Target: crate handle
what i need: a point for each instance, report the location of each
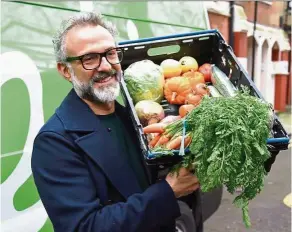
(163, 50)
(278, 140)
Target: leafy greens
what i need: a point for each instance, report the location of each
(229, 145)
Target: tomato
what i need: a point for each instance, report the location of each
(205, 69)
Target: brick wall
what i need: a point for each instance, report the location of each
(268, 15)
(221, 23)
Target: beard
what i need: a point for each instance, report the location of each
(102, 94)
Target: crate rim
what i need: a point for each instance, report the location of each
(168, 37)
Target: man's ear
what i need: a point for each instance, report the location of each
(64, 71)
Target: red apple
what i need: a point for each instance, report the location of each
(205, 69)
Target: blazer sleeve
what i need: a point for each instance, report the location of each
(70, 197)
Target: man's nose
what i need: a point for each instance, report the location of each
(104, 65)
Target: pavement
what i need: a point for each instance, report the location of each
(286, 120)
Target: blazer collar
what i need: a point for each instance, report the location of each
(76, 115)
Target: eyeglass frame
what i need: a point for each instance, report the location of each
(102, 54)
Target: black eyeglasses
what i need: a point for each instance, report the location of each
(92, 61)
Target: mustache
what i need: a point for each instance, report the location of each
(103, 75)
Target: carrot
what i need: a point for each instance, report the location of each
(174, 143)
(154, 128)
(188, 140)
(153, 142)
(163, 140)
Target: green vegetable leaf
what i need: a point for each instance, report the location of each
(229, 145)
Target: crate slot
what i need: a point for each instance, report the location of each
(204, 38)
(139, 47)
(187, 40)
(165, 50)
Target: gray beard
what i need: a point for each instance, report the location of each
(104, 94)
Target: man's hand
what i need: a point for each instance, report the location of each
(183, 183)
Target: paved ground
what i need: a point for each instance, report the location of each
(286, 120)
(267, 211)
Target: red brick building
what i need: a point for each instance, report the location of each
(272, 50)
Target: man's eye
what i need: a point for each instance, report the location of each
(90, 58)
(112, 53)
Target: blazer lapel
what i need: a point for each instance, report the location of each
(78, 117)
(107, 156)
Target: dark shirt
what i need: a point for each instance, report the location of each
(120, 135)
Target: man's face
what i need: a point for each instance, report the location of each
(98, 85)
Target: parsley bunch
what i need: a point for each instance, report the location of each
(229, 145)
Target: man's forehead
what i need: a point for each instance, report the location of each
(79, 37)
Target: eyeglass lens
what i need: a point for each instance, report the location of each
(91, 61)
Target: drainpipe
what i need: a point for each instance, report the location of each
(288, 30)
(231, 23)
(253, 41)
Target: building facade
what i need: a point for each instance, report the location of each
(262, 44)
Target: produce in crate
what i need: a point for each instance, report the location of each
(222, 83)
(228, 144)
(213, 91)
(188, 63)
(170, 118)
(205, 69)
(149, 112)
(195, 77)
(157, 129)
(185, 109)
(145, 81)
(193, 99)
(176, 89)
(171, 68)
(201, 89)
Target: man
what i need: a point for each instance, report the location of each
(86, 160)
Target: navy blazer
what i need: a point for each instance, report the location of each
(84, 181)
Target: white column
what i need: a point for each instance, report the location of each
(257, 67)
(270, 84)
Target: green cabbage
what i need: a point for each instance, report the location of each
(145, 81)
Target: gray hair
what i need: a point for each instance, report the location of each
(81, 19)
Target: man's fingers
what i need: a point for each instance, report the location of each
(194, 180)
(194, 188)
(183, 171)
